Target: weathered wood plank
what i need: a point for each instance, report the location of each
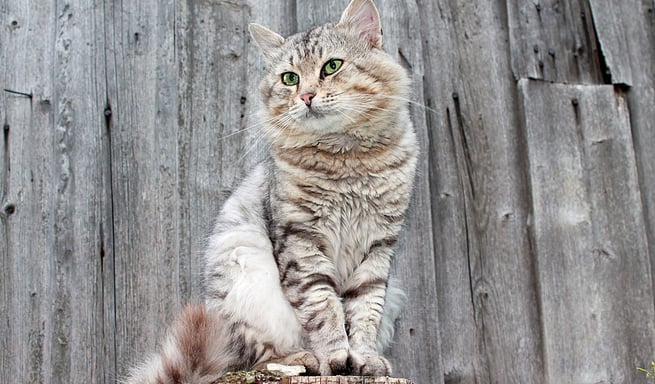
(414, 260)
(215, 112)
(588, 233)
(56, 218)
(622, 36)
(626, 32)
(553, 40)
(142, 95)
(486, 287)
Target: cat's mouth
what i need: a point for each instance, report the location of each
(313, 114)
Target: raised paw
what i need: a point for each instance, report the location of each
(368, 364)
(335, 364)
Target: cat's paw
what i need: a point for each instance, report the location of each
(304, 358)
(368, 364)
(335, 364)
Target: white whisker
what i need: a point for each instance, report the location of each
(399, 98)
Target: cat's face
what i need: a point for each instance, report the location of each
(331, 79)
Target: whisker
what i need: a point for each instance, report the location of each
(371, 96)
(359, 110)
(341, 110)
(258, 125)
(365, 109)
(264, 130)
(271, 127)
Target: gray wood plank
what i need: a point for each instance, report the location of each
(215, 144)
(620, 37)
(588, 233)
(626, 31)
(487, 289)
(56, 218)
(457, 330)
(412, 357)
(553, 40)
(142, 94)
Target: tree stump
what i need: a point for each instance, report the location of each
(343, 380)
(263, 377)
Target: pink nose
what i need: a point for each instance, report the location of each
(307, 98)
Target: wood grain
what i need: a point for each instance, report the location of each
(486, 286)
(56, 218)
(587, 231)
(142, 95)
(414, 262)
(554, 40)
(625, 33)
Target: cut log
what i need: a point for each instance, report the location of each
(343, 380)
(261, 377)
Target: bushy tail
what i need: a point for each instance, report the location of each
(194, 352)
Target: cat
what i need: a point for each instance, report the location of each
(297, 267)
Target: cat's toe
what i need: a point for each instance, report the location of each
(368, 364)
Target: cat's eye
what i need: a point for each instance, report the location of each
(290, 78)
(331, 67)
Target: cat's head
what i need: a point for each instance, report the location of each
(332, 79)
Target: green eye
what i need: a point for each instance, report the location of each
(331, 67)
(290, 78)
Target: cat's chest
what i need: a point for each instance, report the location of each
(348, 226)
(352, 214)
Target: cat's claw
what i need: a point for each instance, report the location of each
(368, 364)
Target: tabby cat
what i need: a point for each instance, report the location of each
(297, 266)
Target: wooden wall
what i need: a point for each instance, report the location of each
(527, 256)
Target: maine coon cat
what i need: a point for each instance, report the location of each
(297, 268)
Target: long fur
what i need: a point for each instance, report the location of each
(297, 268)
(190, 353)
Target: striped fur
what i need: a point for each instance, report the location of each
(297, 269)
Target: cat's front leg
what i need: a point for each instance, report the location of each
(364, 300)
(308, 279)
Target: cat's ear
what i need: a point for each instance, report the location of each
(265, 39)
(362, 16)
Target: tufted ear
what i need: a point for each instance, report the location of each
(265, 39)
(362, 16)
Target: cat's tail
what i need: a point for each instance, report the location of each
(194, 351)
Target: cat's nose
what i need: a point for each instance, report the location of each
(307, 98)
